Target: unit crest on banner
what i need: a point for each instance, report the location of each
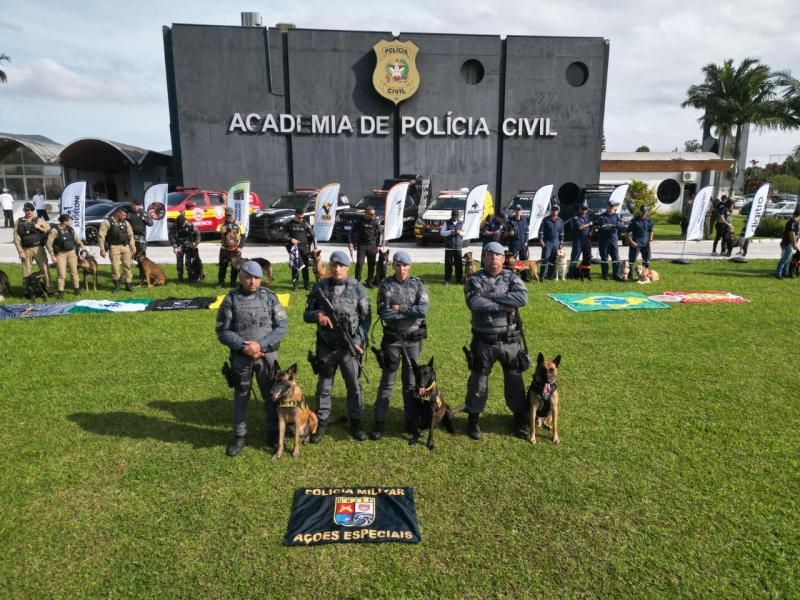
(396, 77)
(354, 512)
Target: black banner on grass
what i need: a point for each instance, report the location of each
(353, 515)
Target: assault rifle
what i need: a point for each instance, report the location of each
(342, 329)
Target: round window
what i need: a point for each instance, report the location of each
(668, 191)
(472, 72)
(577, 74)
(568, 193)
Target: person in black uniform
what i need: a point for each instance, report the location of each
(725, 227)
(551, 239)
(518, 243)
(609, 223)
(719, 206)
(251, 323)
(495, 229)
(581, 242)
(366, 237)
(791, 233)
(453, 244)
(139, 221)
(183, 237)
(299, 234)
(640, 236)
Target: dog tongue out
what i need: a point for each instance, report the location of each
(546, 389)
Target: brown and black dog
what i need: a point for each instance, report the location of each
(4, 285)
(380, 267)
(151, 272)
(34, 285)
(543, 397)
(88, 264)
(321, 270)
(528, 270)
(291, 408)
(469, 265)
(266, 267)
(432, 410)
(194, 265)
(794, 266)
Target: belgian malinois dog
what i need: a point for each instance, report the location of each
(543, 397)
(469, 265)
(432, 410)
(151, 272)
(380, 267)
(88, 264)
(321, 270)
(528, 270)
(291, 408)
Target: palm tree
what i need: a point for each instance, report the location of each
(3, 76)
(734, 96)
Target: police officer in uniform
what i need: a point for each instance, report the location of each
(62, 242)
(231, 235)
(251, 323)
(402, 306)
(609, 223)
(139, 221)
(581, 243)
(453, 244)
(551, 239)
(184, 236)
(29, 237)
(350, 301)
(366, 237)
(640, 236)
(119, 235)
(298, 233)
(495, 230)
(492, 295)
(518, 243)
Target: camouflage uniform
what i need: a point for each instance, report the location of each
(225, 254)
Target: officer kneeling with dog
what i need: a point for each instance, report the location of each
(493, 296)
(402, 306)
(252, 323)
(339, 305)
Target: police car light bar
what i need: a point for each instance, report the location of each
(186, 188)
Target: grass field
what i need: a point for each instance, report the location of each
(677, 475)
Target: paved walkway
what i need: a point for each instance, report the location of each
(209, 250)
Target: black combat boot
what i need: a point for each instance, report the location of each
(377, 431)
(413, 431)
(317, 437)
(356, 431)
(272, 440)
(128, 286)
(520, 426)
(604, 269)
(116, 286)
(77, 291)
(60, 295)
(473, 430)
(236, 446)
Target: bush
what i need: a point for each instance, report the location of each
(639, 193)
(785, 183)
(771, 227)
(674, 217)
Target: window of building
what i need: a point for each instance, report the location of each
(472, 72)
(668, 191)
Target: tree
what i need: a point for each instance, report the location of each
(643, 149)
(692, 146)
(733, 96)
(640, 194)
(3, 76)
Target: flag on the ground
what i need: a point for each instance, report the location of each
(601, 301)
(700, 298)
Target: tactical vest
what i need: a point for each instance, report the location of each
(29, 235)
(368, 233)
(65, 240)
(345, 305)
(252, 314)
(496, 322)
(118, 233)
(300, 232)
(404, 294)
(137, 223)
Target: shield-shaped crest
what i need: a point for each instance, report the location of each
(354, 512)
(396, 77)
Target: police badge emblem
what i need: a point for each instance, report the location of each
(354, 512)
(396, 77)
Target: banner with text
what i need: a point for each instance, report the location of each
(239, 200)
(694, 231)
(155, 205)
(473, 213)
(73, 203)
(541, 199)
(325, 211)
(756, 210)
(393, 213)
(353, 515)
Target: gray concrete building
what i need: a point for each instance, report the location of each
(272, 105)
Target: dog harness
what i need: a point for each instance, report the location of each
(545, 391)
(431, 394)
(292, 403)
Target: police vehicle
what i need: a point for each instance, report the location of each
(429, 224)
(525, 199)
(204, 208)
(267, 224)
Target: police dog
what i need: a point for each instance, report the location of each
(432, 410)
(321, 270)
(88, 264)
(380, 267)
(585, 269)
(562, 263)
(625, 268)
(646, 275)
(34, 285)
(469, 266)
(794, 266)
(4, 285)
(151, 272)
(528, 270)
(543, 397)
(194, 265)
(292, 410)
(266, 267)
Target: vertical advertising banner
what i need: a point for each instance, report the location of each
(694, 231)
(73, 202)
(155, 205)
(239, 200)
(473, 213)
(393, 213)
(756, 210)
(619, 193)
(539, 209)
(325, 211)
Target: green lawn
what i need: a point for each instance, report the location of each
(677, 475)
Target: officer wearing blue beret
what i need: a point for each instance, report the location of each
(609, 223)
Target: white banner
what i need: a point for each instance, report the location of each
(756, 210)
(694, 231)
(473, 213)
(539, 209)
(393, 213)
(239, 200)
(325, 212)
(619, 193)
(73, 203)
(155, 205)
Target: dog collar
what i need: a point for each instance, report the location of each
(428, 394)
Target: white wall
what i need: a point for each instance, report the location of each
(654, 180)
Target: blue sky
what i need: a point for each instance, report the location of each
(83, 68)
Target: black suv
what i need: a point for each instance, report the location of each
(525, 199)
(268, 225)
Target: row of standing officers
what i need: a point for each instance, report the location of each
(251, 323)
